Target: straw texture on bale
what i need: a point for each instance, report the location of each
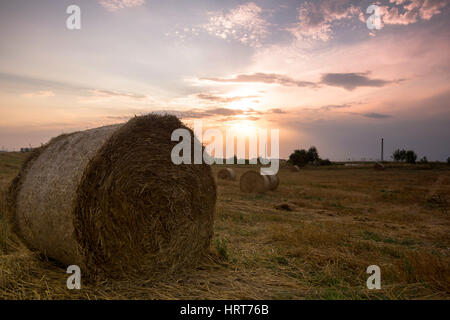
(254, 182)
(226, 174)
(111, 201)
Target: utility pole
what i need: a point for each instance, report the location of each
(382, 149)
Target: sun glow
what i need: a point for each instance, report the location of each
(243, 126)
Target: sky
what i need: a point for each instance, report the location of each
(311, 69)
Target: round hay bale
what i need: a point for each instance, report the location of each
(111, 201)
(378, 166)
(252, 181)
(273, 182)
(295, 168)
(226, 174)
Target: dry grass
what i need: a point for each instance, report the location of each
(342, 220)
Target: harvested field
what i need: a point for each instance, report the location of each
(343, 219)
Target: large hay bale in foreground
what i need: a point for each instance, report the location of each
(252, 181)
(226, 174)
(274, 182)
(111, 201)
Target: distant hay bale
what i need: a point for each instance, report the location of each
(378, 166)
(226, 174)
(295, 168)
(111, 201)
(254, 182)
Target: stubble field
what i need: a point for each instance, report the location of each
(313, 238)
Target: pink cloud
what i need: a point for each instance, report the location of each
(269, 78)
(243, 24)
(114, 5)
(392, 16)
(430, 8)
(315, 18)
(408, 12)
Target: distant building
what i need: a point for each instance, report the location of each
(26, 149)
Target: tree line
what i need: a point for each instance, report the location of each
(408, 156)
(302, 157)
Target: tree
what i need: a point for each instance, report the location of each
(303, 157)
(411, 156)
(423, 160)
(299, 158)
(325, 162)
(448, 160)
(312, 154)
(399, 155)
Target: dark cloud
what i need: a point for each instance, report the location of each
(335, 106)
(277, 110)
(265, 78)
(330, 107)
(375, 115)
(351, 81)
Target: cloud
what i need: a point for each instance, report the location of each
(39, 94)
(221, 112)
(333, 109)
(226, 114)
(330, 107)
(351, 81)
(114, 5)
(426, 8)
(315, 18)
(335, 106)
(114, 94)
(277, 110)
(265, 78)
(404, 12)
(202, 113)
(375, 115)
(393, 16)
(215, 98)
(243, 24)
